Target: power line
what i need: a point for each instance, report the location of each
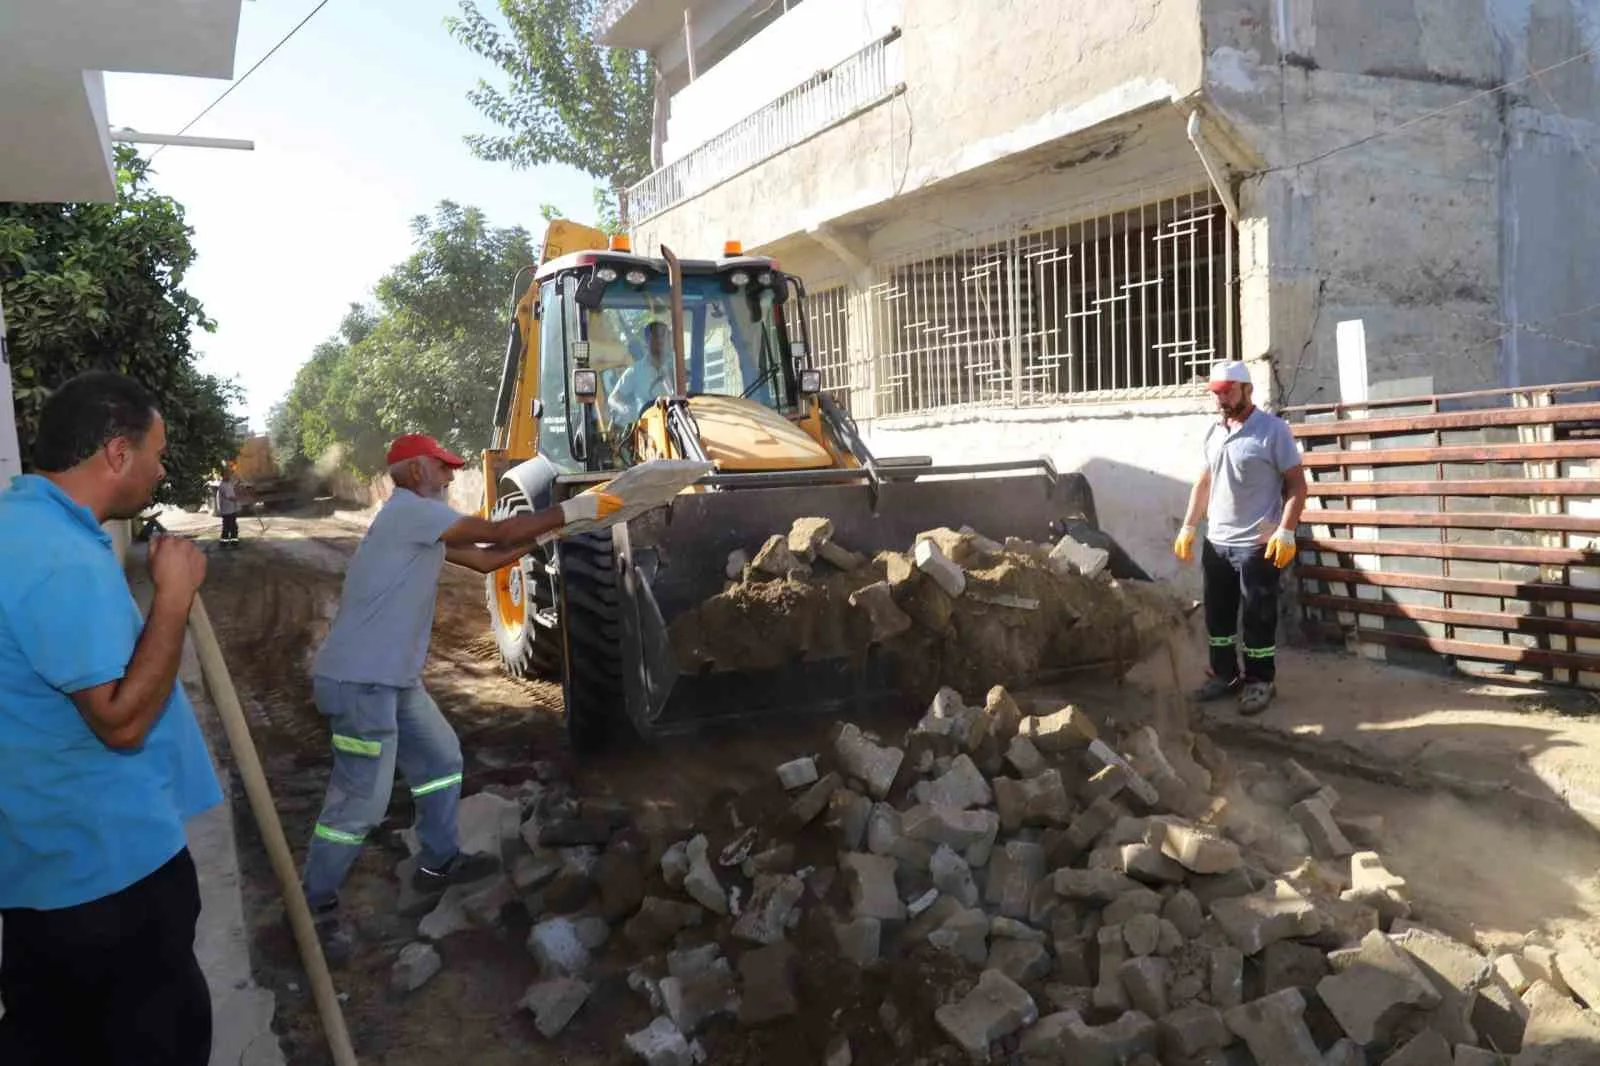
(1429, 116)
(240, 80)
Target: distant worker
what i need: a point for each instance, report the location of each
(1252, 491)
(367, 677)
(101, 760)
(228, 508)
(652, 376)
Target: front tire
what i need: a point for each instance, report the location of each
(591, 678)
(522, 610)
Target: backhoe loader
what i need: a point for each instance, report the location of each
(616, 359)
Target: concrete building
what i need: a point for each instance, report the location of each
(1030, 227)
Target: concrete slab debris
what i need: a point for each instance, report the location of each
(958, 788)
(1376, 990)
(1278, 913)
(870, 880)
(1274, 1029)
(933, 562)
(554, 1003)
(872, 764)
(660, 1044)
(415, 966)
(996, 1008)
(798, 773)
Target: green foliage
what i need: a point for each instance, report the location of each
(425, 359)
(100, 286)
(566, 99)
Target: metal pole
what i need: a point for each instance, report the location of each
(135, 137)
(688, 42)
(10, 453)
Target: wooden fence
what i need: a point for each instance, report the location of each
(1465, 525)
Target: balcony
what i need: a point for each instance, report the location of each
(832, 96)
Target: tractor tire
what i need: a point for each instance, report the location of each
(591, 677)
(522, 607)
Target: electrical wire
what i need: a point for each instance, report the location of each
(240, 80)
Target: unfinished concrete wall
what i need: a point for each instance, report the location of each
(1462, 239)
(982, 82)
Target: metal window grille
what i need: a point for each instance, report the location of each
(827, 318)
(1138, 301)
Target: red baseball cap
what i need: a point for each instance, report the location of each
(419, 446)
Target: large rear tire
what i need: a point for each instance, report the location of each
(591, 677)
(522, 606)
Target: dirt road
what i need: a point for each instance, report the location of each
(271, 602)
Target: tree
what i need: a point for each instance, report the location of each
(425, 359)
(567, 99)
(100, 287)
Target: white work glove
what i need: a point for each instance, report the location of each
(591, 506)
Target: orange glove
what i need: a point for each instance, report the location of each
(591, 506)
(1183, 547)
(1281, 548)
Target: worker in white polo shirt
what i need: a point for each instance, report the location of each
(1251, 493)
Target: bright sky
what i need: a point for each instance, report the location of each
(358, 124)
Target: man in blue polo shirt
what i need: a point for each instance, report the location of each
(101, 760)
(1251, 491)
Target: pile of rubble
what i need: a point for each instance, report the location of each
(982, 611)
(1009, 887)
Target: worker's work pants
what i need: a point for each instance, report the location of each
(112, 982)
(1241, 582)
(230, 527)
(377, 728)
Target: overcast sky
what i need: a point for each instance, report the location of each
(358, 124)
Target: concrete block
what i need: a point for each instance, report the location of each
(1025, 758)
(1427, 1048)
(1005, 717)
(1315, 818)
(953, 877)
(1543, 958)
(558, 948)
(692, 1001)
(1142, 934)
(1516, 972)
(1100, 755)
(1467, 1055)
(1345, 1052)
(675, 864)
(775, 559)
(1456, 972)
(960, 830)
(1241, 882)
(554, 1003)
(1197, 849)
(766, 916)
(531, 872)
(1145, 980)
(1014, 870)
(840, 557)
(1100, 815)
(620, 875)
(1023, 961)
(798, 773)
(1148, 864)
(919, 903)
(965, 934)
(838, 1052)
(1095, 886)
(1279, 913)
(701, 882)
(660, 1044)
(1107, 782)
(1189, 1031)
(1069, 555)
(1227, 977)
(1287, 964)
(1274, 1029)
(872, 764)
(1003, 928)
(807, 535)
(860, 940)
(487, 823)
(1125, 906)
(414, 967)
(958, 788)
(1067, 730)
(1376, 990)
(870, 881)
(693, 962)
(876, 605)
(811, 802)
(996, 1008)
(1499, 1017)
(1580, 971)
(738, 559)
(848, 812)
(1559, 1032)
(1109, 994)
(658, 920)
(933, 562)
(1170, 941)
(1133, 1034)
(1183, 910)
(767, 991)
(1039, 801)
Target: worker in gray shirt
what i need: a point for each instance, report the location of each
(1251, 491)
(367, 677)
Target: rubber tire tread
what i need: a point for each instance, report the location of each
(592, 681)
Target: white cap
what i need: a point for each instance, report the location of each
(1225, 374)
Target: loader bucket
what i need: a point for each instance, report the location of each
(673, 559)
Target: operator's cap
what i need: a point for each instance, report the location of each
(1225, 374)
(420, 446)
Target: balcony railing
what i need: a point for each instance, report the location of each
(826, 99)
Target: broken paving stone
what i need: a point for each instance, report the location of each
(958, 788)
(1137, 901)
(1145, 980)
(1516, 972)
(1142, 933)
(1189, 1031)
(487, 823)
(953, 877)
(1278, 913)
(1274, 1029)
(932, 561)
(1287, 964)
(1038, 801)
(766, 916)
(692, 1001)
(1072, 960)
(553, 1004)
(1241, 882)
(675, 864)
(1005, 717)
(1227, 977)
(1070, 555)
(558, 947)
(1197, 849)
(996, 1008)
(1023, 961)
(1014, 870)
(884, 617)
(1345, 1052)
(860, 940)
(1025, 758)
(804, 810)
(961, 830)
(1375, 989)
(1427, 1048)
(919, 904)
(415, 967)
(775, 559)
(848, 811)
(964, 934)
(1108, 991)
(1371, 883)
(872, 764)
(1456, 972)
(1543, 957)
(798, 773)
(701, 883)
(1106, 783)
(1100, 755)
(870, 881)
(1100, 815)
(1183, 911)
(660, 1044)
(532, 872)
(1067, 730)
(775, 860)
(1146, 863)
(1580, 971)
(620, 875)
(1559, 1032)
(840, 557)
(1302, 782)
(464, 906)
(768, 991)
(1467, 1055)
(1096, 886)
(838, 1052)
(1498, 1016)
(1002, 928)
(738, 559)
(576, 831)
(1315, 818)
(658, 920)
(1132, 1035)
(807, 535)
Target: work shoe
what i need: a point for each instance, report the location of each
(1216, 688)
(462, 869)
(1255, 696)
(337, 942)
